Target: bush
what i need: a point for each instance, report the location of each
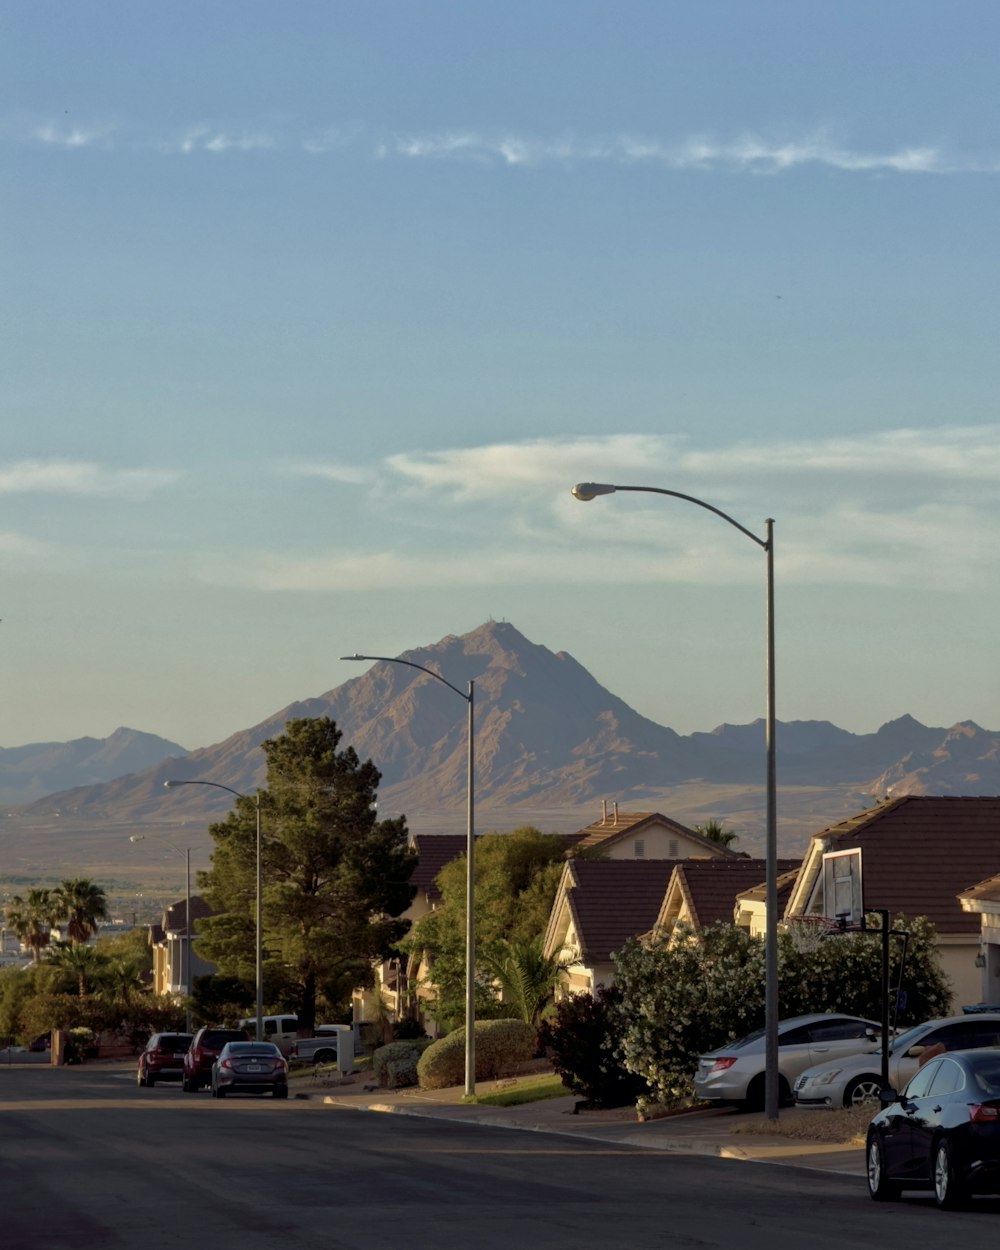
(501, 1045)
(582, 1037)
(396, 1064)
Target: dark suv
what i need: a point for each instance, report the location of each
(203, 1052)
(163, 1057)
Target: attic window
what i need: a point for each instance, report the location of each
(639, 848)
(673, 848)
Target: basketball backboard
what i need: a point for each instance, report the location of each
(843, 894)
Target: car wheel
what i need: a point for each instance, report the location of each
(189, 1086)
(219, 1092)
(756, 1090)
(140, 1080)
(949, 1193)
(325, 1056)
(862, 1091)
(879, 1186)
(150, 1082)
(280, 1091)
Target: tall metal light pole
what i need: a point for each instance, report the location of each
(259, 942)
(590, 490)
(470, 927)
(186, 951)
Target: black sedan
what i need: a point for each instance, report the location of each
(253, 1067)
(942, 1133)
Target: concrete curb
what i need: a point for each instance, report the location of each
(769, 1154)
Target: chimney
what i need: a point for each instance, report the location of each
(616, 812)
(604, 811)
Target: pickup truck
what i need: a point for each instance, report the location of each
(319, 1049)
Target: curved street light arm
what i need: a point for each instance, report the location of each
(390, 659)
(586, 491)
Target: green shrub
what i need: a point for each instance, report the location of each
(582, 1040)
(501, 1046)
(396, 1064)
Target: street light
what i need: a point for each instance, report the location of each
(470, 928)
(590, 490)
(259, 943)
(186, 955)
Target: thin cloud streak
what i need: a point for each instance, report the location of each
(65, 477)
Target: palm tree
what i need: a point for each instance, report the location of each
(527, 976)
(82, 905)
(85, 964)
(716, 831)
(31, 919)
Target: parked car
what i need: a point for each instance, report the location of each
(250, 1066)
(735, 1072)
(162, 1058)
(42, 1042)
(942, 1133)
(282, 1030)
(202, 1054)
(858, 1078)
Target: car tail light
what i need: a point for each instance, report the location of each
(984, 1113)
(721, 1065)
(226, 1063)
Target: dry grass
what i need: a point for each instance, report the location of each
(846, 1126)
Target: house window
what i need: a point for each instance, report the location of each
(639, 849)
(673, 848)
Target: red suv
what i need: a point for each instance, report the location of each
(163, 1056)
(203, 1052)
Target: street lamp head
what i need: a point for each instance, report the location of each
(169, 785)
(136, 837)
(585, 491)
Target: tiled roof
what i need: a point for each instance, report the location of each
(617, 823)
(710, 886)
(612, 900)
(919, 852)
(435, 850)
(758, 893)
(987, 891)
(174, 918)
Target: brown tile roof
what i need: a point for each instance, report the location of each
(435, 850)
(174, 919)
(919, 852)
(710, 886)
(988, 890)
(612, 900)
(785, 882)
(617, 823)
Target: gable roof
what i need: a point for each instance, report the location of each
(987, 891)
(434, 851)
(611, 900)
(175, 918)
(785, 882)
(615, 825)
(708, 888)
(918, 854)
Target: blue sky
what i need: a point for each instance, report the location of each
(313, 314)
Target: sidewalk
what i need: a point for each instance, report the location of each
(713, 1132)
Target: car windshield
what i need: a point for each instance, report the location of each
(174, 1042)
(910, 1038)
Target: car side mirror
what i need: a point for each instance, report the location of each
(887, 1096)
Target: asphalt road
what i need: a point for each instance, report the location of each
(88, 1159)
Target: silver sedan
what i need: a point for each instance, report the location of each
(252, 1067)
(858, 1079)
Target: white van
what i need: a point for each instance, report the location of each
(282, 1030)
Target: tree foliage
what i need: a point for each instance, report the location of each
(516, 877)
(335, 878)
(583, 1040)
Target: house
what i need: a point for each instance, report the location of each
(599, 905)
(984, 900)
(643, 835)
(751, 905)
(707, 891)
(614, 886)
(920, 855)
(170, 940)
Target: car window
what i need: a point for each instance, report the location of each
(986, 1077)
(921, 1082)
(175, 1042)
(948, 1078)
(839, 1030)
(796, 1037)
(289, 1024)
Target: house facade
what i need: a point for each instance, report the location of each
(170, 940)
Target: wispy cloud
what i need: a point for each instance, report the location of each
(329, 471)
(66, 477)
(58, 135)
(203, 138)
(749, 153)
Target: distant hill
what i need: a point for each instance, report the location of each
(548, 736)
(29, 772)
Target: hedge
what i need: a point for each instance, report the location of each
(396, 1064)
(501, 1046)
